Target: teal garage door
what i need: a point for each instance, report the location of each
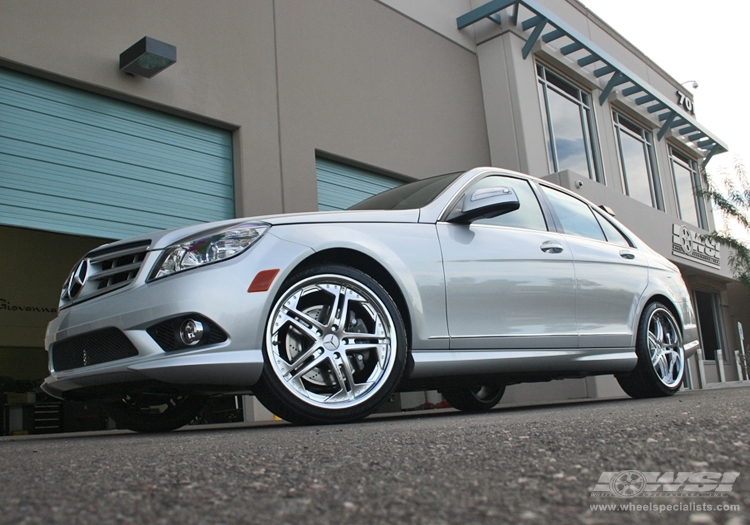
(341, 186)
(80, 163)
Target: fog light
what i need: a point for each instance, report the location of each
(191, 332)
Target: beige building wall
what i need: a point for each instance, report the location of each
(360, 81)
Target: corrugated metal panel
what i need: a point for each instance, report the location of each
(341, 186)
(76, 162)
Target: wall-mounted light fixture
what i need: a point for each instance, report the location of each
(147, 57)
(693, 83)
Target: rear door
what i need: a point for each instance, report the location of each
(611, 275)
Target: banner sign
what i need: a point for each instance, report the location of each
(691, 245)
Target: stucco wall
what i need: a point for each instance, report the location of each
(361, 81)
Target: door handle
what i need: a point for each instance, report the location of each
(625, 254)
(551, 247)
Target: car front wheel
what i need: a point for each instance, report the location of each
(661, 357)
(335, 347)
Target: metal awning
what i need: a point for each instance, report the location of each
(537, 23)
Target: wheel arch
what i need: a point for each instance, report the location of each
(371, 267)
(669, 304)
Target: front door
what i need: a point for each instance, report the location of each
(510, 282)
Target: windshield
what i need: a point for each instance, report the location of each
(409, 196)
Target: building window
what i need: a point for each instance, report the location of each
(569, 125)
(637, 162)
(709, 323)
(687, 185)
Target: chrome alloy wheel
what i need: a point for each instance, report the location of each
(331, 341)
(665, 348)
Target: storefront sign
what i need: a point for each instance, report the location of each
(691, 245)
(685, 102)
(12, 307)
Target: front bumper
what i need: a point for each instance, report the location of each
(217, 292)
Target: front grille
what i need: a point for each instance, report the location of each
(102, 271)
(93, 348)
(167, 333)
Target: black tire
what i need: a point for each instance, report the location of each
(477, 398)
(331, 364)
(155, 412)
(661, 356)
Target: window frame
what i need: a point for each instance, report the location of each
(599, 216)
(583, 99)
(645, 137)
(691, 165)
(541, 201)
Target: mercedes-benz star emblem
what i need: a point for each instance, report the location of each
(78, 279)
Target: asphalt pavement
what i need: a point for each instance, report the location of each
(512, 465)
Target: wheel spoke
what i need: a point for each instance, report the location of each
(674, 363)
(312, 364)
(302, 321)
(380, 346)
(662, 364)
(337, 292)
(348, 296)
(656, 355)
(301, 359)
(659, 330)
(344, 390)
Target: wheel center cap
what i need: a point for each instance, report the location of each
(331, 342)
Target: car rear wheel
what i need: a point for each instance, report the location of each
(154, 412)
(661, 357)
(477, 398)
(335, 347)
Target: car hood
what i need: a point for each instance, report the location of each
(164, 238)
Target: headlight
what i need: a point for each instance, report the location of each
(208, 247)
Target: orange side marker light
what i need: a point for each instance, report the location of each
(263, 280)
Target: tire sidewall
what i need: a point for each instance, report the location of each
(270, 389)
(644, 355)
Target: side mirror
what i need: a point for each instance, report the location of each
(484, 203)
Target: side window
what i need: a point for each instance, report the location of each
(528, 216)
(575, 216)
(613, 234)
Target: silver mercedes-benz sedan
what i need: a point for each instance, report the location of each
(465, 283)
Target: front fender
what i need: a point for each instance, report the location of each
(409, 252)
